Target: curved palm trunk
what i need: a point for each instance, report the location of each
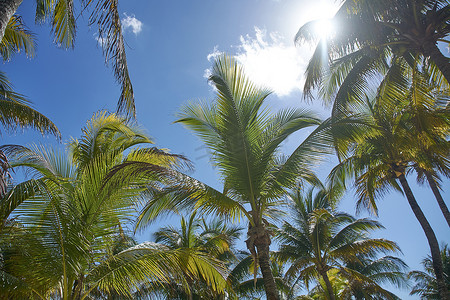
(431, 237)
(432, 51)
(438, 196)
(328, 285)
(7, 10)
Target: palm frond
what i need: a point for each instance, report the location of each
(150, 262)
(106, 15)
(16, 39)
(63, 22)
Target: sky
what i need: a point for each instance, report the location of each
(170, 47)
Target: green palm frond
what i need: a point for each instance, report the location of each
(368, 247)
(352, 230)
(14, 115)
(355, 86)
(16, 39)
(151, 262)
(360, 284)
(185, 192)
(18, 194)
(15, 112)
(106, 131)
(63, 22)
(49, 163)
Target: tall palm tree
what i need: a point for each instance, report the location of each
(69, 221)
(244, 138)
(104, 14)
(380, 46)
(426, 115)
(322, 241)
(378, 159)
(426, 284)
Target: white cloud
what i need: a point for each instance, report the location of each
(130, 22)
(213, 55)
(269, 62)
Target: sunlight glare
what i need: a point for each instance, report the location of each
(324, 28)
(306, 11)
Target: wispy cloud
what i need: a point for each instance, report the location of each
(270, 62)
(130, 22)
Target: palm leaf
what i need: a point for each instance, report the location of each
(16, 38)
(106, 15)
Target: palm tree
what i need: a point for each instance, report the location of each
(371, 38)
(426, 283)
(386, 269)
(214, 238)
(380, 47)
(104, 14)
(64, 244)
(322, 239)
(427, 116)
(244, 138)
(377, 157)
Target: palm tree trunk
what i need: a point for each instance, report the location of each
(432, 51)
(438, 196)
(264, 263)
(431, 237)
(328, 285)
(7, 10)
(259, 238)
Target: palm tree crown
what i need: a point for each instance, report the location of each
(244, 138)
(426, 285)
(69, 221)
(375, 40)
(322, 241)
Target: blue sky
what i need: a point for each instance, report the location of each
(170, 47)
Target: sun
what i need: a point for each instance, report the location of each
(321, 11)
(324, 28)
